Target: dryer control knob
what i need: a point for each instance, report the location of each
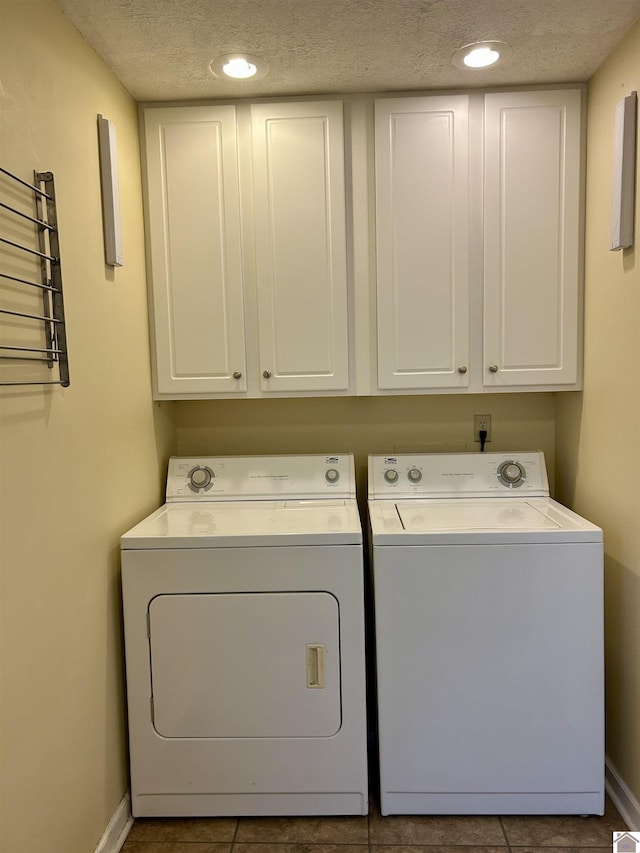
(332, 476)
(200, 478)
(391, 475)
(415, 475)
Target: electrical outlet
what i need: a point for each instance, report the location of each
(481, 422)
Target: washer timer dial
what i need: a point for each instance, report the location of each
(391, 475)
(511, 474)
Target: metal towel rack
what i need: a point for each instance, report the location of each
(32, 308)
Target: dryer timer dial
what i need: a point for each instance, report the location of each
(200, 478)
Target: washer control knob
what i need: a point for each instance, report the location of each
(332, 476)
(200, 478)
(511, 474)
(391, 475)
(414, 475)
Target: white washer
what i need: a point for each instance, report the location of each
(244, 637)
(489, 638)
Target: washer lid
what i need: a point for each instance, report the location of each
(482, 521)
(241, 524)
(418, 516)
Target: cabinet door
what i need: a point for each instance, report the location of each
(532, 238)
(422, 223)
(301, 268)
(195, 250)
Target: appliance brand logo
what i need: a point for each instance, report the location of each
(390, 460)
(626, 842)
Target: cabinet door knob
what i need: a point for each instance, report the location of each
(493, 368)
(266, 374)
(462, 368)
(237, 374)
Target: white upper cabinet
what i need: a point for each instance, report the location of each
(451, 265)
(531, 238)
(422, 228)
(300, 245)
(193, 216)
(248, 252)
(478, 242)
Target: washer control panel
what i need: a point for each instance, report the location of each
(445, 475)
(261, 477)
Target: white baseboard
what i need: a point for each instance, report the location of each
(622, 796)
(118, 828)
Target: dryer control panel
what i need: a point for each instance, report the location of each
(450, 475)
(237, 478)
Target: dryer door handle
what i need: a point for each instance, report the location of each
(315, 665)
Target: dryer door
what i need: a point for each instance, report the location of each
(245, 665)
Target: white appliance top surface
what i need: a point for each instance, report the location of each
(417, 516)
(449, 521)
(229, 478)
(462, 499)
(225, 512)
(248, 524)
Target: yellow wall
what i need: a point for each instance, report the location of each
(365, 425)
(79, 465)
(598, 431)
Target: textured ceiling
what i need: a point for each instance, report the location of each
(160, 49)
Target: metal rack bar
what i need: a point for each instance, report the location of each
(32, 187)
(28, 316)
(59, 332)
(25, 216)
(55, 349)
(33, 349)
(39, 382)
(26, 281)
(29, 358)
(27, 249)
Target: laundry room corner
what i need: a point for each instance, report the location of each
(598, 430)
(80, 463)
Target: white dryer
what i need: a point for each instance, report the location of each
(244, 638)
(489, 638)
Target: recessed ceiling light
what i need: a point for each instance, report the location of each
(239, 66)
(482, 54)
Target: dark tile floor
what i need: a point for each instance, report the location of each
(376, 834)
